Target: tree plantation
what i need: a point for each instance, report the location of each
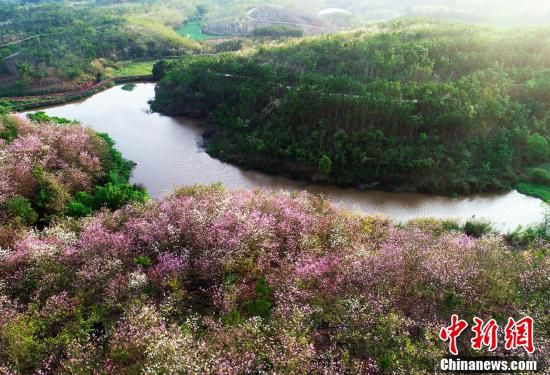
(418, 106)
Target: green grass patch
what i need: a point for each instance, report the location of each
(534, 190)
(192, 30)
(41, 116)
(136, 69)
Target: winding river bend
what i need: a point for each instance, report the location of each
(168, 154)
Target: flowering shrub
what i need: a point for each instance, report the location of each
(208, 281)
(63, 157)
(45, 165)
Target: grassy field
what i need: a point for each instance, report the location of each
(140, 68)
(538, 191)
(192, 30)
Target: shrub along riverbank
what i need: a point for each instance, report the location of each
(533, 190)
(537, 183)
(51, 167)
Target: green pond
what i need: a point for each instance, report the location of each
(192, 30)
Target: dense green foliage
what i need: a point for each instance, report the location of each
(41, 116)
(54, 45)
(229, 45)
(535, 190)
(128, 87)
(432, 107)
(8, 131)
(21, 208)
(276, 32)
(5, 107)
(113, 191)
(159, 69)
(477, 229)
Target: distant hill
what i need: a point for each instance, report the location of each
(53, 44)
(262, 17)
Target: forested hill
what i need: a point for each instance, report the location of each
(50, 45)
(410, 105)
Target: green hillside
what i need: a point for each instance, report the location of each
(54, 46)
(410, 105)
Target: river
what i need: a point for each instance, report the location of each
(168, 154)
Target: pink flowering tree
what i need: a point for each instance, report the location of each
(209, 281)
(45, 165)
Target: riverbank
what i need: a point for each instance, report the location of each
(534, 190)
(25, 103)
(265, 165)
(304, 175)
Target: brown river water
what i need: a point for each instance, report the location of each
(168, 154)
